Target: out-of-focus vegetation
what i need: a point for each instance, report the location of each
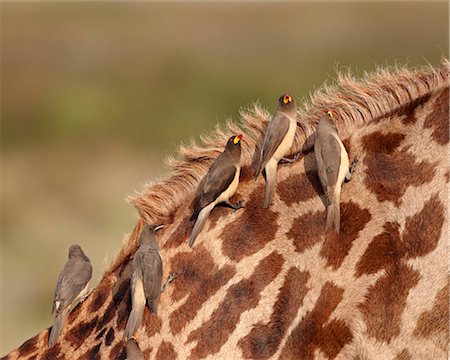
(96, 95)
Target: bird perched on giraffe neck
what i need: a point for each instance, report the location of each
(333, 166)
(218, 185)
(146, 279)
(72, 285)
(277, 142)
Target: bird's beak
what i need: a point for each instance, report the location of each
(330, 114)
(159, 227)
(237, 138)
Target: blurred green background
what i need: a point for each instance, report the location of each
(96, 95)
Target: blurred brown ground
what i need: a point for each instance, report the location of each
(96, 95)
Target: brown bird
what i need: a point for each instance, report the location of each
(333, 166)
(146, 279)
(134, 352)
(277, 142)
(219, 185)
(72, 286)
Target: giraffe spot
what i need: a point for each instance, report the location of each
(307, 230)
(388, 175)
(408, 111)
(403, 355)
(377, 142)
(150, 322)
(120, 291)
(28, 346)
(52, 353)
(100, 334)
(251, 231)
(92, 354)
(199, 278)
(315, 331)
(423, 230)
(438, 119)
(263, 340)
(382, 252)
(30, 358)
(180, 234)
(337, 246)
(246, 175)
(435, 321)
(240, 297)
(109, 337)
(73, 315)
(118, 352)
(299, 187)
(166, 352)
(78, 334)
(386, 300)
(100, 295)
(147, 353)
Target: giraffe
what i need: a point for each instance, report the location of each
(271, 283)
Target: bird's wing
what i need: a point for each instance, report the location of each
(331, 159)
(276, 131)
(218, 179)
(74, 277)
(152, 271)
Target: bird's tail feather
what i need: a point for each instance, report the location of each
(57, 326)
(271, 173)
(200, 222)
(134, 320)
(334, 214)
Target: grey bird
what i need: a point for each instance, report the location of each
(146, 279)
(277, 142)
(218, 185)
(72, 286)
(333, 166)
(133, 350)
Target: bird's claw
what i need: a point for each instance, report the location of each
(289, 160)
(239, 205)
(169, 280)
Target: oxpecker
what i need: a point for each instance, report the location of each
(72, 286)
(218, 185)
(333, 166)
(277, 142)
(146, 279)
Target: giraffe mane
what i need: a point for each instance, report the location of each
(355, 102)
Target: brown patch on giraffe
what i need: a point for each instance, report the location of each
(240, 297)
(100, 334)
(347, 145)
(109, 337)
(315, 331)
(337, 246)
(252, 230)
(166, 352)
(438, 119)
(147, 353)
(385, 301)
(181, 233)
(119, 351)
(263, 340)
(100, 295)
(53, 353)
(247, 174)
(377, 142)
(199, 278)
(423, 230)
(92, 354)
(121, 293)
(409, 110)
(34, 357)
(78, 334)
(382, 252)
(28, 347)
(298, 187)
(403, 355)
(307, 230)
(150, 322)
(391, 172)
(435, 321)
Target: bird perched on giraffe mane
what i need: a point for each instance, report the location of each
(134, 352)
(72, 286)
(218, 185)
(333, 166)
(146, 279)
(277, 142)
